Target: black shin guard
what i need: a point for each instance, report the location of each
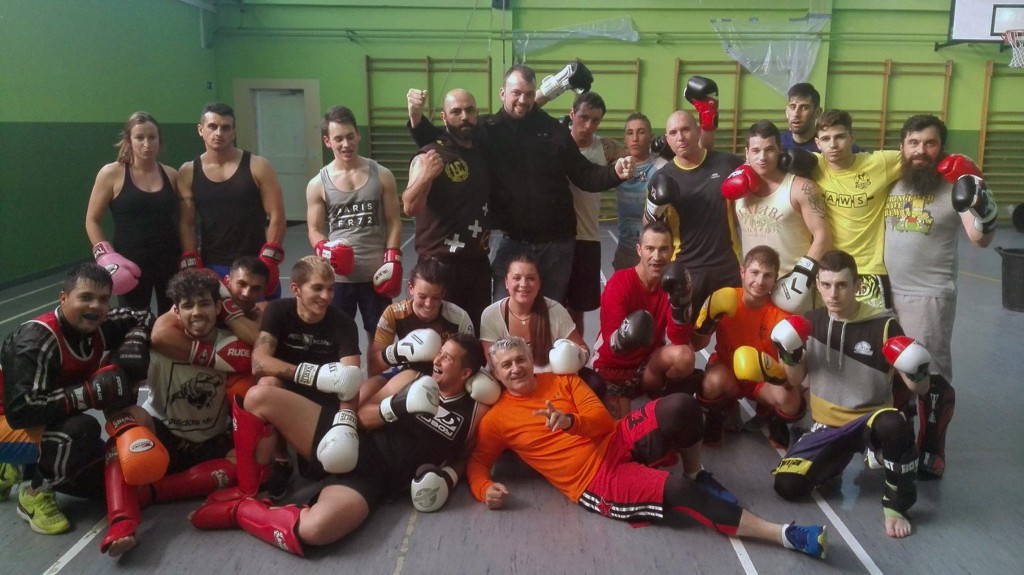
(936, 409)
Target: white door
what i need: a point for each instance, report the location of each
(281, 139)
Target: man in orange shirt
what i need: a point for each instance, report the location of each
(560, 428)
(745, 358)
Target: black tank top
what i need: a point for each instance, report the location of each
(145, 221)
(232, 220)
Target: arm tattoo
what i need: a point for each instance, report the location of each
(814, 199)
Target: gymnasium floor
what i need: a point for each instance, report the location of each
(972, 521)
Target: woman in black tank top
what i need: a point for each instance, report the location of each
(141, 196)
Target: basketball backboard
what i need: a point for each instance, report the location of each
(974, 21)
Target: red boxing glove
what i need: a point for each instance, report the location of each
(190, 259)
(388, 278)
(907, 356)
(338, 254)
(272, 255)
(744, 180)
(703, 94)
(955, 165)
(228, 354)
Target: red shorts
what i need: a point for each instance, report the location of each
(748, 389)
(625, 488)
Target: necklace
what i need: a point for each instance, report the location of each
(513, 314)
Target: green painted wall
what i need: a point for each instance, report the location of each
(71, 72)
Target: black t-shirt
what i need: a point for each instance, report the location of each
(456, 223)
(703, 230)
(332, 338)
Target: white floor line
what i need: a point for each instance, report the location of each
(743, 556)
(614, 237)
(410, 527)
(405, 244)
(29, 312)
(833, 517)
(28, 293)
(66, 558)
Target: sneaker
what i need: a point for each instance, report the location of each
(708, 483)
(41, 512)
(10, 476)
(809, 539)
(930, 467)
(280, 479)
(714, 428)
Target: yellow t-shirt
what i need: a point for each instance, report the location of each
(856, 204)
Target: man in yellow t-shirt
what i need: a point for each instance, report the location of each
(855, 187)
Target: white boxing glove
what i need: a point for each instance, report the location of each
(335, 377)
(566, 357)
(338, 451)
(431, 487)
(794, 292)
(420, 396)
(417, 345)
(482, 387)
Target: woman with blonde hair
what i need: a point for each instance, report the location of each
(141, 195)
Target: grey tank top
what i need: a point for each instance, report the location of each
(357, 218)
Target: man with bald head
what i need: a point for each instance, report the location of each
(691, 185)
(532, 159)
(449, 187)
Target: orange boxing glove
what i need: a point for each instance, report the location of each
(238, 385)
(143, 458)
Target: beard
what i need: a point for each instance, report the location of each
(464, 132)
(921, 179)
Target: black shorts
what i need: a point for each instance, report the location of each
(186, 454)
(371, 477)
(584, 291)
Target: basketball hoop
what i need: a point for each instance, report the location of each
(1015, 38)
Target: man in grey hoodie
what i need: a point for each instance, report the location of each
(847, 350)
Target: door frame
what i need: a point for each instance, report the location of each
(245, 112)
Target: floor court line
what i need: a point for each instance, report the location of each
(833, 517)
(743, 556)
(28, 293)
(29, 312)
(66, 558)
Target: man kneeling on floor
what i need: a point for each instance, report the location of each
(560, 428)
(418, 426)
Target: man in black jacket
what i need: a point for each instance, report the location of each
(532, 159)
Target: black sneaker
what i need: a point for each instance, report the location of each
(280, 479)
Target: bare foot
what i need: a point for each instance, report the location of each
(121, 546)
(897, 527)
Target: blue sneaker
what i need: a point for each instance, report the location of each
(809, 539)
(708, 483)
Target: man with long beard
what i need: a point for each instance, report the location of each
(936, 195)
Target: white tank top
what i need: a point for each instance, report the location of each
(772, 221)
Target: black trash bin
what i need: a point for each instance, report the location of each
(1013, 278)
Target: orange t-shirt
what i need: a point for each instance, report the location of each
(568, 459)
(751, 327)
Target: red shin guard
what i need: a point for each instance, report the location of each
(274, 525)
(123, 514)
(248, 431)
(197, 481)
